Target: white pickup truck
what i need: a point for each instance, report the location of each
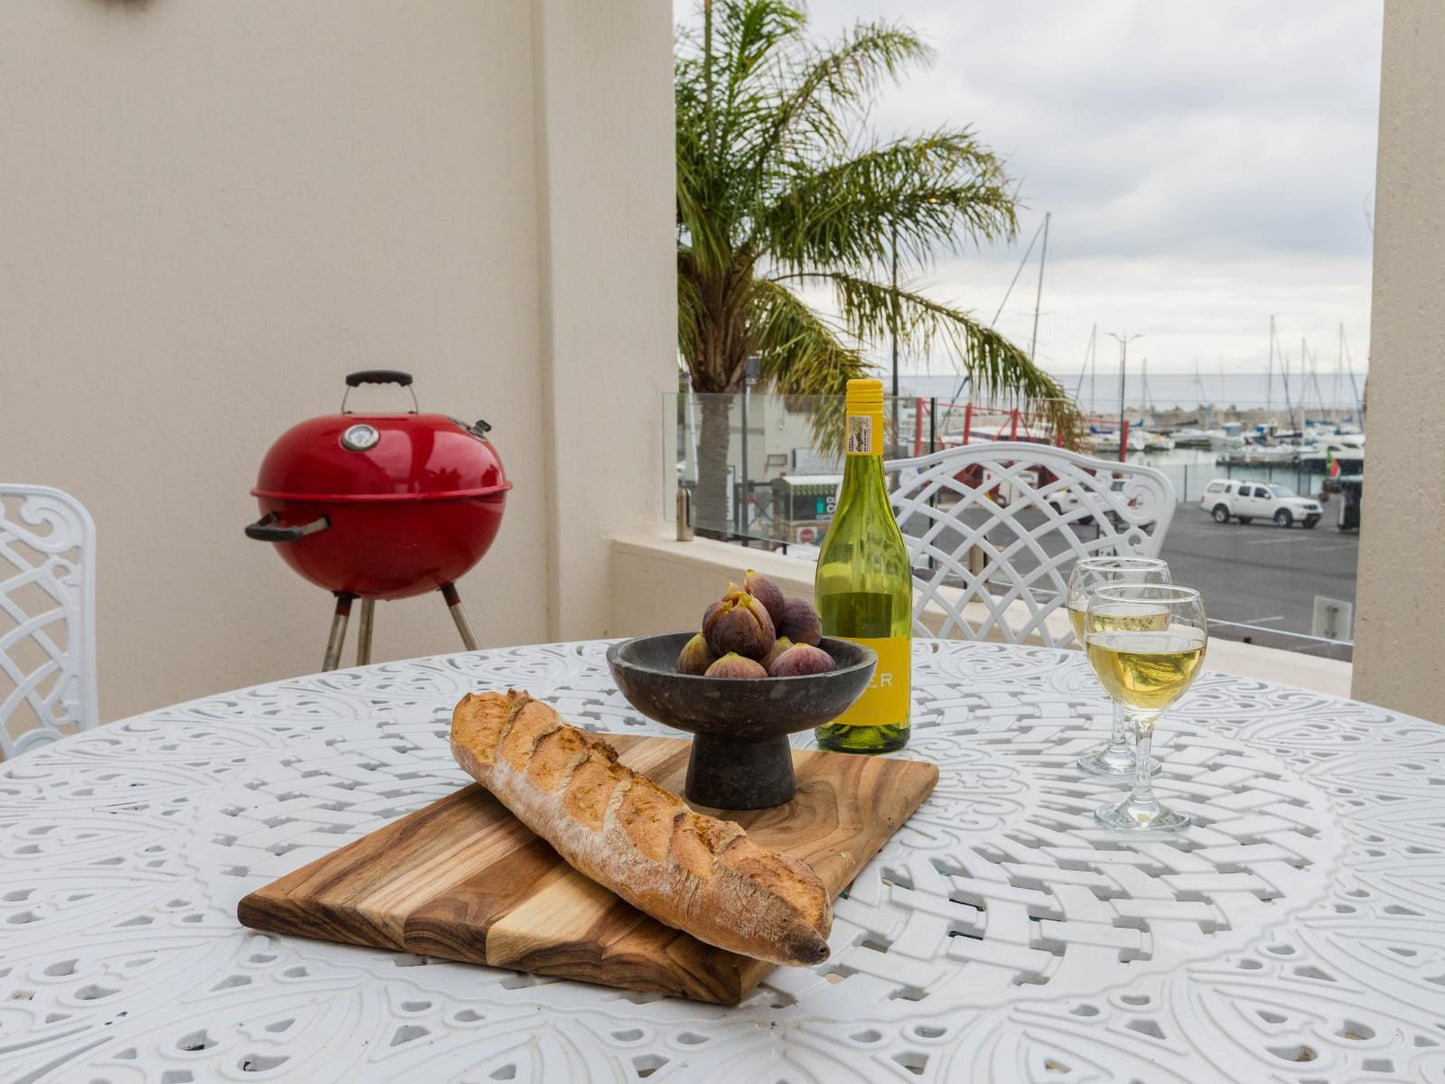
(1226, 498)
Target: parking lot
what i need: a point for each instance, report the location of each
(1263, 575)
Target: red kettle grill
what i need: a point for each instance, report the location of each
(381, 506)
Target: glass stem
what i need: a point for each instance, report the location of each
(1143, 795)
(1119, 740)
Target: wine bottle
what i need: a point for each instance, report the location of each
(864, 584)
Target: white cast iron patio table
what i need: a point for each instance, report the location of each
(1296, 933)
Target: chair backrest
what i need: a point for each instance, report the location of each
(47, 617)
(1000, 525)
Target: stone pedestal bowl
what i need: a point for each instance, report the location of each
(740, 726)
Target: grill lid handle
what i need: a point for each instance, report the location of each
(378, 376)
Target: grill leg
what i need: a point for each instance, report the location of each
(454, 603)
(363, 632)
(338, 632)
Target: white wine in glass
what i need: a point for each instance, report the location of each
(1116, 756)
(1145, 671)
(1126, 619)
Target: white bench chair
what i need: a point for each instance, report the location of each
(993, 529)
(47, 617)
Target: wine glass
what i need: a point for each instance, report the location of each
(1145, 668)
(1116, 756)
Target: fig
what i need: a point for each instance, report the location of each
(800, 660)
(766, 592)
(695, 656)
(781, 644)
(712, 609)
(733, 665)
(738, 622)
(730, 595)
(800, 622)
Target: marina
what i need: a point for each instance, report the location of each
(1266, 583)
(1181, 444)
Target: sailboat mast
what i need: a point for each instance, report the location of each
(1338, 394)
(1085, 368)
(1269, 374)
(1284, 378)
(1354, 388)
(1039, 293)
(1319, 389)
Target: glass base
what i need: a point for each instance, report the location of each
(1109, 760)
(1129, 816)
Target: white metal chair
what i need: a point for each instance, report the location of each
(994, 528)
(47, 617)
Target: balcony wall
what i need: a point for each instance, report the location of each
(213, 210)
(1398, 634)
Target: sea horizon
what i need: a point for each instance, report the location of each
(1332, 391)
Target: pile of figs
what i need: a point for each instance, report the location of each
(753, 631)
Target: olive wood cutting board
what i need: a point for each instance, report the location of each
(465, 880)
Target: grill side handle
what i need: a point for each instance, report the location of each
(265, 529)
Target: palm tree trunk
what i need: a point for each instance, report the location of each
(711, 500)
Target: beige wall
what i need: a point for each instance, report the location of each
(610, 276)
(1399, 636)
(211, 211)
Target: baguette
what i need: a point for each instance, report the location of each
(689, 871)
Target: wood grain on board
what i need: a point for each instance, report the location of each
(465, 880)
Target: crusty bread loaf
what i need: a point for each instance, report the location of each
(690, 871)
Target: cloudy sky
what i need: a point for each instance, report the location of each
(1207, 163)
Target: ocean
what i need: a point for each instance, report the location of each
(1099, 392)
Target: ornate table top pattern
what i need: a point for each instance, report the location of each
(1296, 933)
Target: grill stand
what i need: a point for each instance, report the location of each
(454, 603)
(338, 631)
(363, 632)
(342, 616)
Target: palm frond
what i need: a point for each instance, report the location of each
(921, 193)
(834, 83)
(800, 353)
(691, 313)
(870, 312)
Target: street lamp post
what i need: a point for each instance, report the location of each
(1124, 341)
(893, 322)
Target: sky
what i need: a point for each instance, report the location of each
(1207, 164)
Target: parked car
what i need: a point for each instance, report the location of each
(1226, 498)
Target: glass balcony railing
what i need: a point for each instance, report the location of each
(763, 470)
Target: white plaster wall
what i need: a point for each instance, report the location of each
(210, 211)
(609, 281)
(1399, 635)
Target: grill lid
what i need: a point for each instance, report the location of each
(381, 457)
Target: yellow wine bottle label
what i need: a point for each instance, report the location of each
(886, 700)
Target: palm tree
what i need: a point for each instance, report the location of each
(780, 188)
